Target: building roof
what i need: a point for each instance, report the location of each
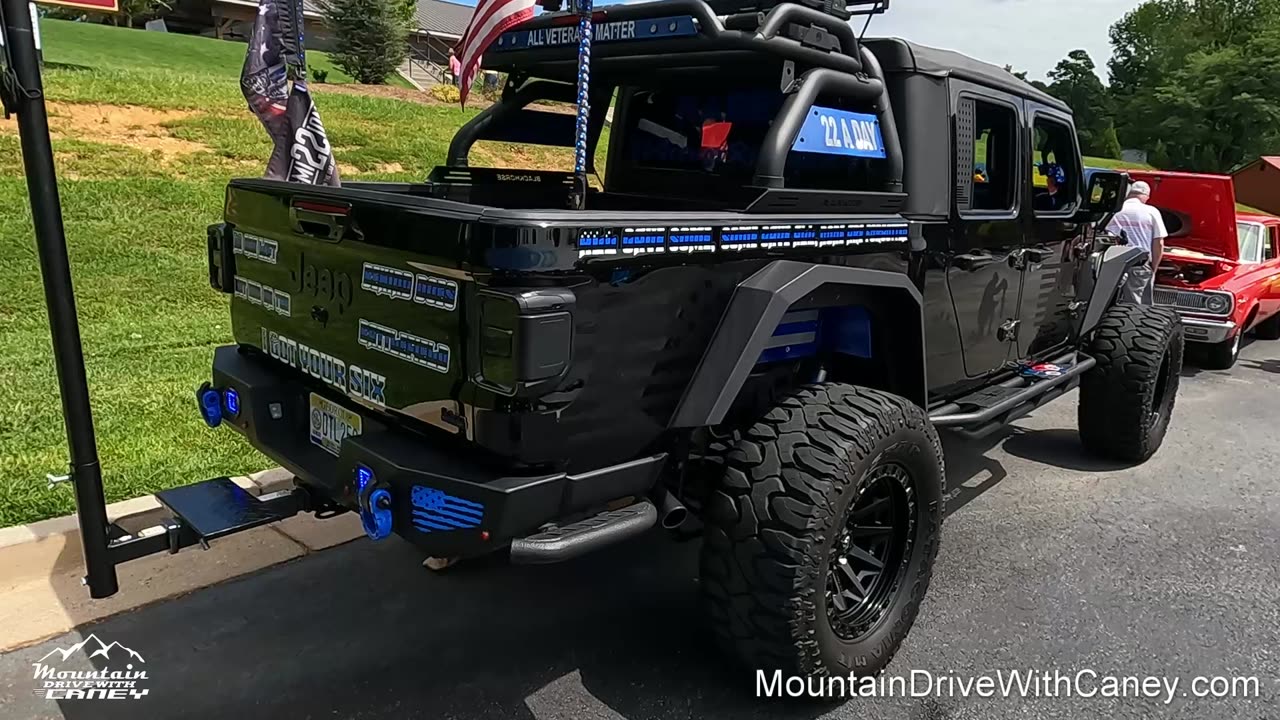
(443, 18)
(1272, 160)
(431, 16)
(906, 56)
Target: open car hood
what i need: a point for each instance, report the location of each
(1199, 211)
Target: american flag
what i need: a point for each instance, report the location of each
(274, 82)
(491, 19)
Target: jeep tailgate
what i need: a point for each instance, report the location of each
(350, 287)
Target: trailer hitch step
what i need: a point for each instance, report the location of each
(563, 542)
(219, 507)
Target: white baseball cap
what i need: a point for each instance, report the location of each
(1140, 188)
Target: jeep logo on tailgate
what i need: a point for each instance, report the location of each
(321, 283)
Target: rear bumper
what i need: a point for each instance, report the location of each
(424, 478)
(1207, 331)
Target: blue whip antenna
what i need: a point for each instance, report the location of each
(579, 197)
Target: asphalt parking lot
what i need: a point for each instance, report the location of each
(1050, 561)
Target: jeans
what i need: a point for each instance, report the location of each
(1138, 285)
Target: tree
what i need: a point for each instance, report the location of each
(1109, 145)
(1222, 106)
(1199, 78)
(370, 37)
(1022, 75)
(1159, 156)
(1075, 81)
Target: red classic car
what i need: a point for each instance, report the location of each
(1221, 268)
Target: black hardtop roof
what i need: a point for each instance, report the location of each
(898, 55)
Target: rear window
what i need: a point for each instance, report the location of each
(709, 138)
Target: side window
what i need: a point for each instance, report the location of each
(991, 147)
(1055, 169)
(1272, 249)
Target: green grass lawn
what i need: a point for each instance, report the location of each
(102, 47)
(135, 219)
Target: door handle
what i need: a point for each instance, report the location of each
(973, 262)
(1038, 255)
(322, 220)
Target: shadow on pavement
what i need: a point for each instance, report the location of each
(1060, 448)
(363, 631)
(1270, 366)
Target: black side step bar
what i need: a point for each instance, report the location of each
(1009, 400)
(559, 543)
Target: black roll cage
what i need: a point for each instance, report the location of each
(840, 65)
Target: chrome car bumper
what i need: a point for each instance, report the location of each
(1207, 331)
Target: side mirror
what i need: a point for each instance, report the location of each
(1107, 190)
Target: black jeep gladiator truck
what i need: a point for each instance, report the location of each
(807, 252)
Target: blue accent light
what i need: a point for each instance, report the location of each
(377, 519)
(364, 476)
(847, 330)
(210, 406)
(844, 330)
(231, 401)
(375, 507)
(435, 510)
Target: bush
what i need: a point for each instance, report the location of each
(1159, 156)
(370, 37)
(445, 93)
(320, 75)
(1110, 143)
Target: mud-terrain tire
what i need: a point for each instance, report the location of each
(1126, 400)
(1268, 329)
(831, 472)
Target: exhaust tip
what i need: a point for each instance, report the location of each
(675, 517)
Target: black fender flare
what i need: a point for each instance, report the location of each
(1115, 261)
(757, 306)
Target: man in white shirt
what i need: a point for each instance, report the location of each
(1144, 227)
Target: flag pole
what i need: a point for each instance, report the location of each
(579, 197)
(25, 97)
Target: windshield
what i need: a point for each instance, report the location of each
(1250, 237)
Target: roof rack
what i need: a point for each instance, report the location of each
(843, 9)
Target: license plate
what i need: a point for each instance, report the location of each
(330, 423)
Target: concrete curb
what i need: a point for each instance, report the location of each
(41, 563)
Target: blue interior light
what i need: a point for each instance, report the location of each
(231, 399)
(210, 406)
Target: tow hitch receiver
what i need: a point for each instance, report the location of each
(219, 507)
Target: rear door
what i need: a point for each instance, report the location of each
(982, 273)
(1054, 248)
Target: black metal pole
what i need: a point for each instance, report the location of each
(59, 296)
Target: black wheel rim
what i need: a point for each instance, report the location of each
(870, 552)
(1163, 378)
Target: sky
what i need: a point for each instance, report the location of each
(1031, 35)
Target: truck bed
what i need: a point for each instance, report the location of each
(516, 331)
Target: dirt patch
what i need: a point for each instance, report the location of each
(475, 101)
(391, 92)
(128, 125)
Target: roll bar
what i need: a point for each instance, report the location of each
(843, 67)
